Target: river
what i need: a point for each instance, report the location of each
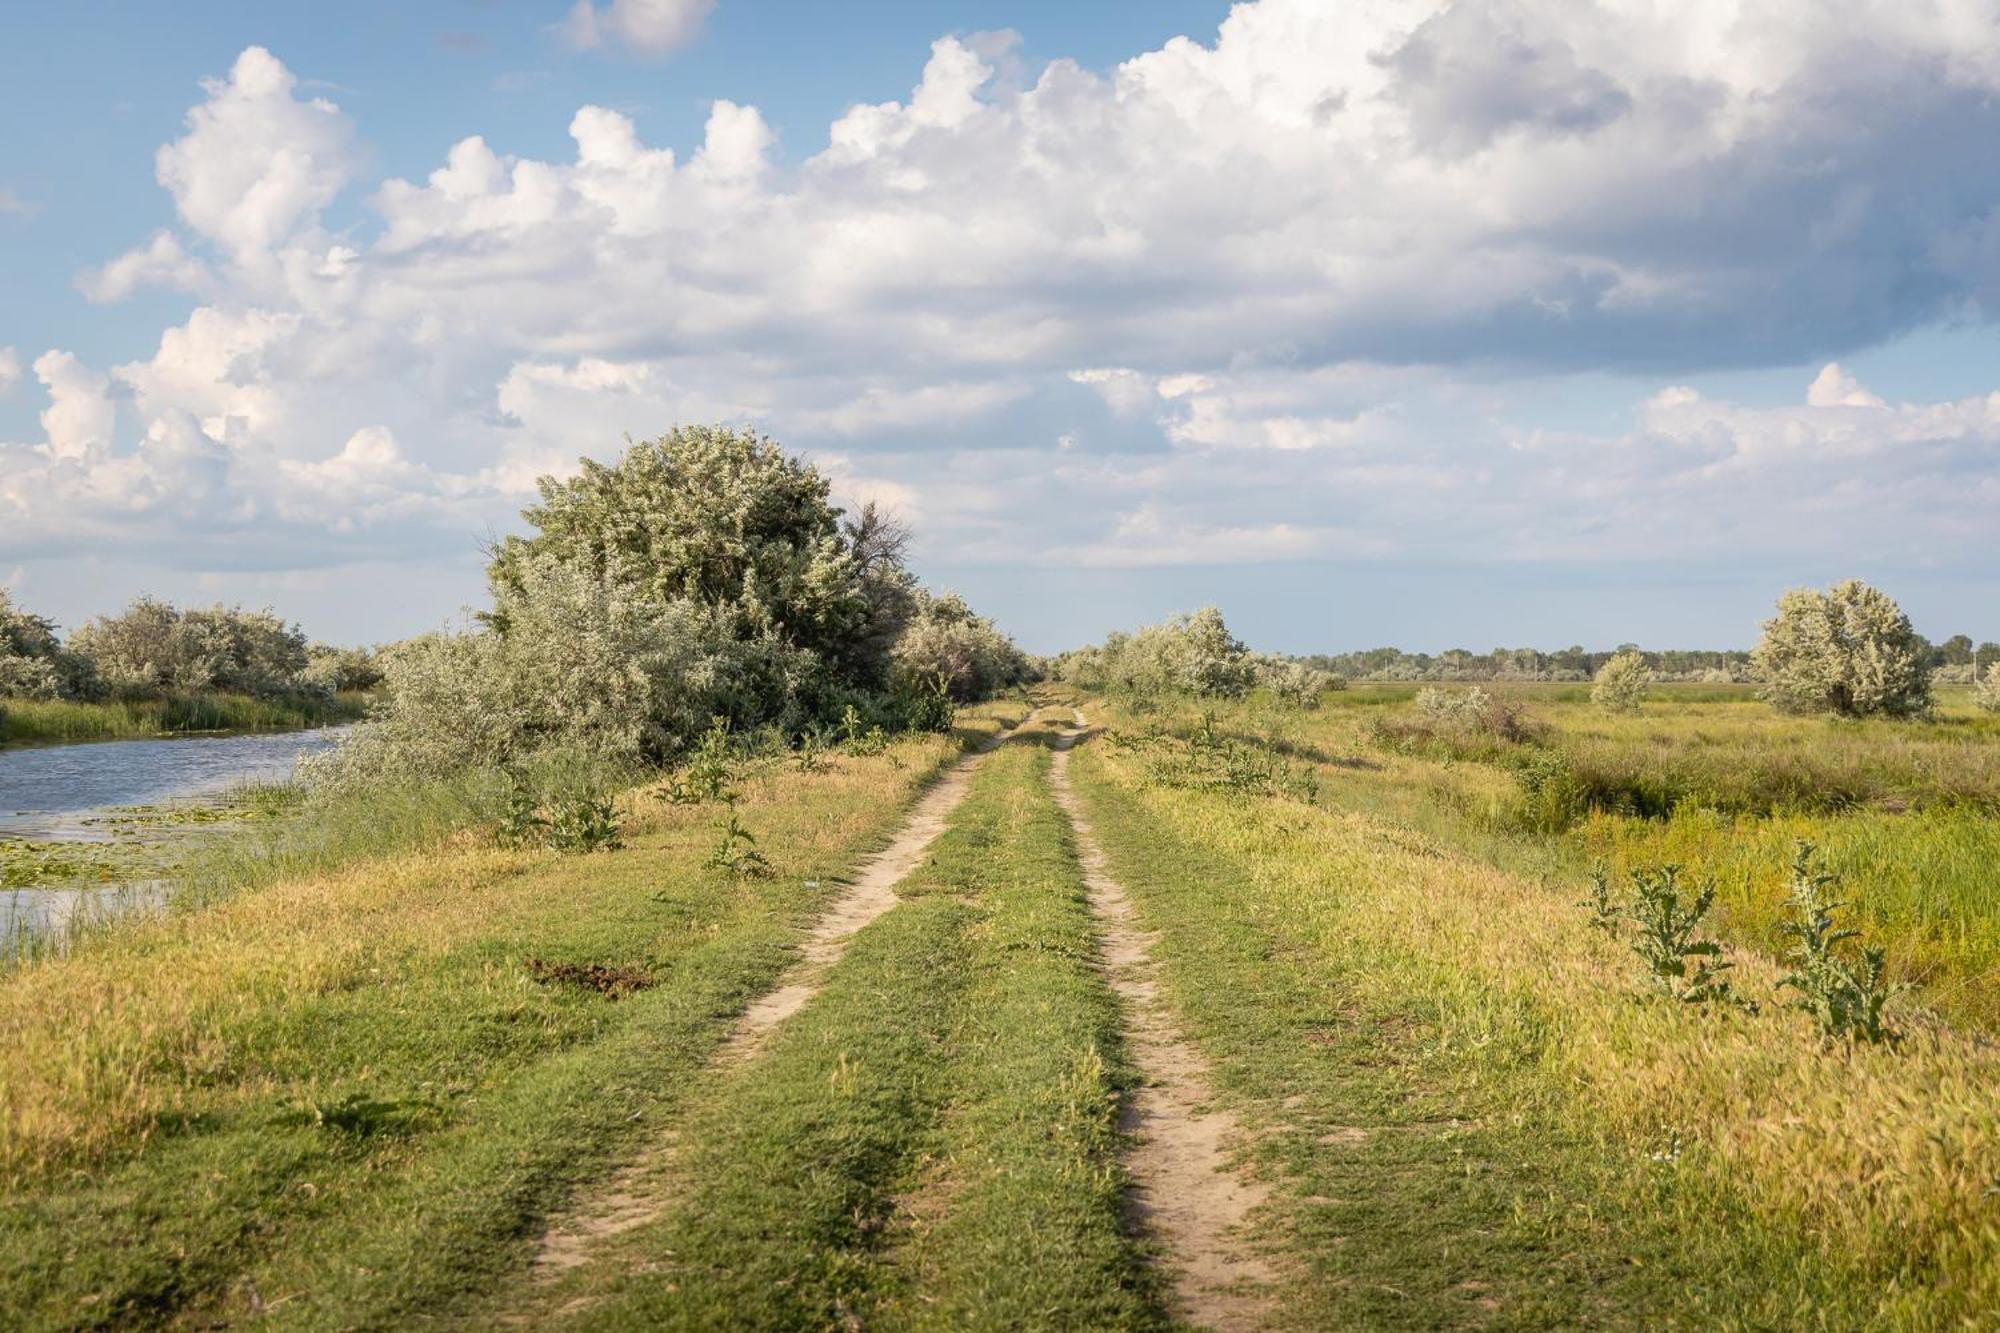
(70, 793)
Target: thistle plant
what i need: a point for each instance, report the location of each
(1604, 914)
(585, 822)
(1845, 997)
(710, 774)
(1667, 918)
(737, 851)
(521, 823)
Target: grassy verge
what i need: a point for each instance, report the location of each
(931, 1142)
(1917, 880)
(47, 722)
(342, 1098)
(1477, 1120)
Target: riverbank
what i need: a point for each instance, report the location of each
(64, 721)
(434, 1041)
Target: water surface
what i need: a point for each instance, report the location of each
(73, 793)
(60, 793)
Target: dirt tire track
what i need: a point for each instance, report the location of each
(1186, 1194)
(636, 1194)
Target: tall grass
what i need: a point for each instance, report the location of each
(57, 721)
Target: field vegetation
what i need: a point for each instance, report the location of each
(1612, 1002)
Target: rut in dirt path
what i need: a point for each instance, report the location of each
(1186, 1194)
(638, 1192)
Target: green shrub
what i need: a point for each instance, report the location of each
(1849, 650)
(1552, 799)
(1621, 683)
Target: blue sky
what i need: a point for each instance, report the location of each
(1401, 322)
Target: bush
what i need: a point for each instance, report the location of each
(1621, 683)
(341, 670)
(1849, 650)
(583, 665)
(153, 649)
(33, 662)
(944, 645)
(712, 517)
(701, 581)
(1294, 682)
(1986, 694)
(1188, 654)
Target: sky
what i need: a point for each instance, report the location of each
(1410, 322)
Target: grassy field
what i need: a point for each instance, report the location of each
(51, 722)
(1707, 777)
(1480, 1117)
(356, 1086)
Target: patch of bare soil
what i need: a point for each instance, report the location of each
(638, 1192)
(1186, 1193)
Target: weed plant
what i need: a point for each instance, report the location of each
(1844, 997)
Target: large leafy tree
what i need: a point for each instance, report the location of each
(726, 520)
(1848, 650)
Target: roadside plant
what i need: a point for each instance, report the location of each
(573, 821)
(710, 774)
(1621, 683)
(584, 822)
(1666, 916)
(521, 822)
(810, 757)
(931, 707)
(1846, 997)
(1849, 650)
(737, 852)
(859, 737)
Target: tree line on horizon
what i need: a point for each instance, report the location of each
(1951, 662)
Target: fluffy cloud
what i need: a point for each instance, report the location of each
(1250, 300)
(650, 27)
(161, 262)
(10, 370)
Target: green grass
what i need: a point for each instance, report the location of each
(1475, 1120)
(52, 722)
(344, 1096)
(932, 1142)
(1896, 806)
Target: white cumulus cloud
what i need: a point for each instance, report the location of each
(650, 27)
(1269, 291)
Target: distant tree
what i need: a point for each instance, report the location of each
(1957, 650)
(153, 647)
(946, 644)
(1986, 689)
(1622, 682)
(1849, 650)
